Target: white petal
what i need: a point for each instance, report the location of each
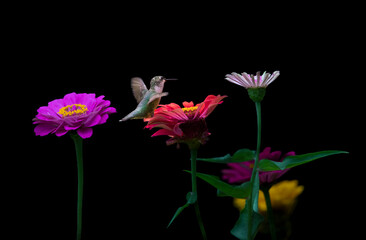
(265, 78)
(234, 78)
(248, 79)
(273, 77)
(258, 82)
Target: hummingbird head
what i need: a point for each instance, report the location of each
(157, 83)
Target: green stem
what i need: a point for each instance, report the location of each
(79, 158)
(270, 216)
(194, 190)
(254, 172)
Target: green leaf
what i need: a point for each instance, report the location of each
(225, 189)
(224, 159)
(237, 191)
(241, 227)
(191, 199)
(293, 161)
(242, 155)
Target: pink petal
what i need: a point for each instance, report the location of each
(103, 118)
(265, 154)
(47, 113)
(162, 132)
(70, 99)
(109, 110)
(44, 129)
(288, 154)
(61, 131)
(177, 131)
(85, 132)
(93, 120)
(275, 155)
(56, 105)
(67, 127)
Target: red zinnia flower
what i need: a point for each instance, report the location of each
(185, 124)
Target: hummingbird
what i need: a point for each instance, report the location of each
(147, 100)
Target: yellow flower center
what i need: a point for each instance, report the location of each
(189, 109)
(74, 109)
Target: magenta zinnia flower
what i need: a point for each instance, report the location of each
(184, 124)
(242, 172)
(250, 81)
(75, 111)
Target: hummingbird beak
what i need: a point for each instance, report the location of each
(170, 79)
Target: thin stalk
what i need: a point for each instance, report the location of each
(272, 227)
(254, 172)
(194, 190)
(79, 158)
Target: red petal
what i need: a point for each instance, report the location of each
(188, 104)
(162, 132)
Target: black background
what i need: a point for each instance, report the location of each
(134, 183)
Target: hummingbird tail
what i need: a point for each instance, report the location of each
(132, 115)
(126, 118)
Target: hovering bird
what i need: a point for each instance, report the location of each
(147, 100)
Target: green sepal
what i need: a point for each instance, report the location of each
(225, 189)
(241, 227)
(242, 155)
(293, 161)
(256, 94)
(191, 199)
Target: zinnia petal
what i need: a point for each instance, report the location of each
(43, 129)
(103, 119)
(188, 104)
(61, 131)
(163, 132)
(211, 103)
(85, 132)
(93, 120)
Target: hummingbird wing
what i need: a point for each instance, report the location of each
(138, 88)
(158, 95)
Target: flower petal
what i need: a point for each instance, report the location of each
(162, 132)
(93, 120)
(211, 103)
(61, 131)
(68, 127)
(43, 129)
(103, 118)
(188, 104)
(85, 132)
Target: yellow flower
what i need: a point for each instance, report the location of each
(283, 197)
